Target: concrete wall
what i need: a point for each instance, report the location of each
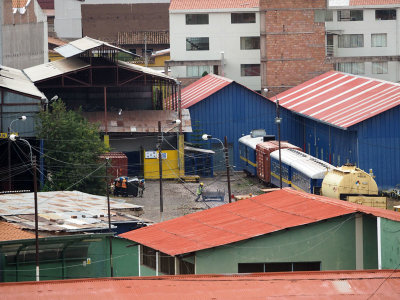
(223, 36)
(367, 27)
(331, 242)
(390, 232)
(24, 37)
(68, 16)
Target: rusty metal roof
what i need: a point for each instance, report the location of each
(140, 120)
(84, 44)
(15, 80)
(68, 211)
(383, 284)
(246, 219)
(55, 68)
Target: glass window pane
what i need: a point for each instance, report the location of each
(351, 41)
(350, 15)
(385, 14)
(197, 43)
(250, 70)
(243, 18)
(378, 40)
(380, 67)
(247, 43)
(196, 19)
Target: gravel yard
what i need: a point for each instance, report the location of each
(179, 198)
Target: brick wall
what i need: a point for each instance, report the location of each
(294, 43)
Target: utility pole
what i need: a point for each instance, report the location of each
(226, 150)
(109, 220)
(278, 123)
(146, 61)
(36, 218)
(160, 169)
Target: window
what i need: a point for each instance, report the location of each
(196, 19)
(322, 15)
(351, 41)
(148, 256)
(351, 67)
(279, 267)
(250, 70)
(237, 18)
(249, 42)
(385, 14)
(379, 40)
(197, 43)
(350, 15)
(167, 264)
(380, 67)
(196, 71)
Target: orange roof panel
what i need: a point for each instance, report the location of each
(10, 232)
(212, 4)
(384, 284)
(245, 219)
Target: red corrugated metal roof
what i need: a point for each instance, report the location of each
(341, 99)
(203, 88)
(212, 4)
(383, 284)
(245, 219)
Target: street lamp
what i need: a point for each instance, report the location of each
(9, 130)
(15, 138)
(160, 139)
(207, 137)
(278, 121)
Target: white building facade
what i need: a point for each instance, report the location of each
(364, 40)
(223, 41)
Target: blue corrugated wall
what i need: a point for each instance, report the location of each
(379, 147)
(235, 111)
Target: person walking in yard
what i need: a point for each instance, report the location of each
(124, 187)
(141, 188)
(199, 191)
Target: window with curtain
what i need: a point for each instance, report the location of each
(196, 71)
(379, 40)
(380, 67)
(249, 42)
(351, 67)
(351, 41)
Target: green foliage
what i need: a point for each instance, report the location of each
(205, 73)
(72, 147)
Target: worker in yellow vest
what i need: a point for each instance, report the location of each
(124, 187)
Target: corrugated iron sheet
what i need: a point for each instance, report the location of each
(16, 80)
(203, 88)
(84, 44)
(297, 285)
(65, 211)
(245, 219)
(55, 68)
(140, 120)
(143, 70)
(212, 4)
(341, 99)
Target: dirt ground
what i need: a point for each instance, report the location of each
(179, 198)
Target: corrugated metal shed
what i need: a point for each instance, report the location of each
(84, 44)
(233, 111)
(15, 80)
(68, 211)
(341, 99)
(55, 68)
(203, 88)
(246, 219)
(383, 284)
(141, 120)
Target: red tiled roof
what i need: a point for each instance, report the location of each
(212, 4)
(203, 88)
(10, 232)
(383, 284)
(19, 3)
(372, 2)
(245, 219)
(341, 99)
(46, 4)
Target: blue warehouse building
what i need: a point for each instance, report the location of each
(349, 118)
(221, 107)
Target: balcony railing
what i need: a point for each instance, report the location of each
(330, 51)
(142, 37)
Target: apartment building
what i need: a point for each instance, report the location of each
(363, 39)
(219, 37)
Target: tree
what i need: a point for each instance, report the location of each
(72, 147)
